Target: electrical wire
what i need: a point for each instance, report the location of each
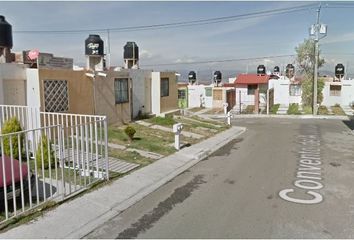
(218, 61)
(178, 24)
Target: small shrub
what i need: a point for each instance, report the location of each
(337, 105)
(47, 150)
(294, 109)
(337, 110)
(274, 109)
(307, 109)
(249, 109)
(322, 110)
(11, 126)
(130, 131)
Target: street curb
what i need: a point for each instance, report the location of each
(119, 208)
(281, 116)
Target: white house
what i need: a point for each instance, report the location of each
(338, 93)
(285, 91)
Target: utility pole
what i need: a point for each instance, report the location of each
(315, 31)
(314, 108)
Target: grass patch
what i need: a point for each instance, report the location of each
(274, 109)
(145, 138)
(337, 110)
(132, 157)
(294, 109)
(307, 109)
(163, 121)
(322, 110)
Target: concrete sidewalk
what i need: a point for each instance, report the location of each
(308, 116)
(77, 218)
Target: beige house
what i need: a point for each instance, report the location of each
(120, 95)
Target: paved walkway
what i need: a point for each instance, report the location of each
(76, 218)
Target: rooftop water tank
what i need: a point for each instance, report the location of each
(94, 46)
(261, 70)
(276, 69)
(339, 70)
(217, 77)
(290, 70)
(131, 51)
(192, 77)
(5, 33)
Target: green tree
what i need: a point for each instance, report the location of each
(306, 62)
(45, 153)
(11, 126)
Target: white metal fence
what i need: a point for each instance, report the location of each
(55, 156)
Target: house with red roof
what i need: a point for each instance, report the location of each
(247, 85)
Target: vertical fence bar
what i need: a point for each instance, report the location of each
(49, 162)
(96, 149)
(106, 148)
(87, 151)
(56, 154)
(4, 178)
(82, 152)
(61, 133)
(42, 161)
(28, 171)
(21, 176)
(67, 149)
(34, 137)
(13, 177)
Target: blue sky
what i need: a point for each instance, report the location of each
(253, 37)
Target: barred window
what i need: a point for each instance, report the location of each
(56, 96)
(165, 87)
(121, 90)
(295, 90)
(334, 90)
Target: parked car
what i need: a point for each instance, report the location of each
(17, 178)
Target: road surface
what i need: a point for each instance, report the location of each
(283, 178)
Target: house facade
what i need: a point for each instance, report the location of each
(338, 92)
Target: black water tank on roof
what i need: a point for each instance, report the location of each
(339, 70)
(5, 33)
(131, 51)
(290, 70)
(261, 69)
(94, 46)
(192, 76)
(217, 76)
(276, 69)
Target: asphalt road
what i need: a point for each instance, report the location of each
(235, 192)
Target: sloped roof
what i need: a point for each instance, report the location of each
(252, 79)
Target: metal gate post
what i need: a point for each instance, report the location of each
(106, 147)
(61, 156)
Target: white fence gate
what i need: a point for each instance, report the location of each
(54, 157)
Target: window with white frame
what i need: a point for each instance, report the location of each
(121, 90)
(165, 87)
(295, 90)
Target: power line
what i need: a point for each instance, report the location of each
(218, 61)
(179, 24)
